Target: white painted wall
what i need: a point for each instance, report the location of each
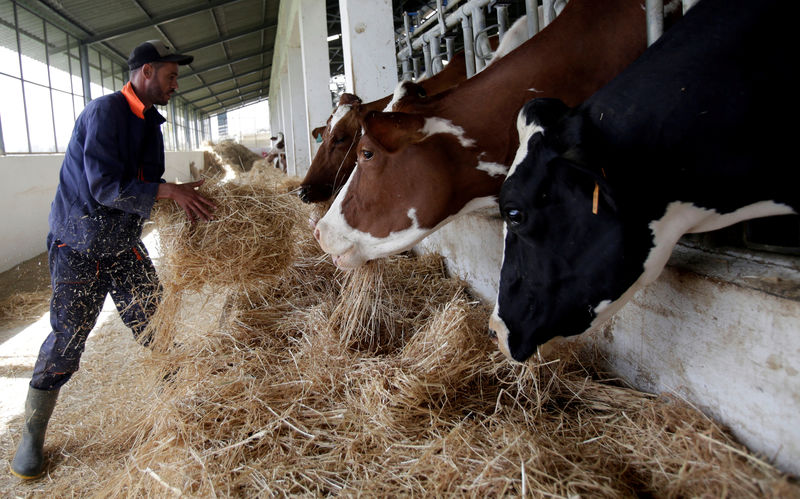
(719, 330)
(28, 187)
(27, 190)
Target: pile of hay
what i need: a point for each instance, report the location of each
(227, 159)
(24, 306)
(251, 238)
(375, 383)
(230, 152)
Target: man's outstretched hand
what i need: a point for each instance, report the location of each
(195, 205)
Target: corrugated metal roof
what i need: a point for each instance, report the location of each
(232, 41)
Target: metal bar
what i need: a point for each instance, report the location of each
(436, 55)
(478, 25)
(83, 50)
(502, 20)
(451, 19)
(469, 49)
(2, 144)
(450, 44)
(415, 63)
(655, 20)
(407, 74)
(426, 53)
(407, 24)
(50, 85)
(440, 16)
(532, 12)
(22, 78)
(548, 11)
(186, 129)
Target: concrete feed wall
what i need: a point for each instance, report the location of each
(720, 330)
(29, 187)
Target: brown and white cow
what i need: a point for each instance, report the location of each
(336, 157)
(449, 154)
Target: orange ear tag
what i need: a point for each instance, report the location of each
(595, 197)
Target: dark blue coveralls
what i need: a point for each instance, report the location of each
(107, 187)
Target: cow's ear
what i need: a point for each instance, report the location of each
(317, 133)
(545, 112)
(349, 99)
(393, 130)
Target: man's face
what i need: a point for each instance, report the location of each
(162, 81)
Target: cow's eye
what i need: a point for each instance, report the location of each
(513, 217)
(367, 154)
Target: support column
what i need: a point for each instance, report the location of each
(370, 63)
(286, 116)
(297, 122)
(83, 50)
(316, 71)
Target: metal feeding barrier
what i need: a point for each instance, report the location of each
(426, 36)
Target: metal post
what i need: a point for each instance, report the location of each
(502, 20)
(436, 56)
(478, 23)
(186, 127)
(549, 11)
(440, 15)
(415, 64)
(450, 47)
(2, 144)
(469, 49)
(83, 50)
(426, 54)
(655, 20)
(407, 24)
(174, 117)
(407, 74)
(532, 11)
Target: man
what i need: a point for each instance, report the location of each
(109, 181)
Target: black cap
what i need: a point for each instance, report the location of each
(155, 51)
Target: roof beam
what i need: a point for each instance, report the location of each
(217, 94)
(124, 30)
(224, 79)
(224, 63)
(235, 98)
(254, 96)
(232, 36)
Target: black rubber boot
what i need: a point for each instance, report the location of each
(28, 462)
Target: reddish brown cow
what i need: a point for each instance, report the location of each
(449, 154)
(336, 157)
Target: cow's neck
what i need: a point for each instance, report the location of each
(570, 59)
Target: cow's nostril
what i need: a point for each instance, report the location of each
(316, 233)
(493, 335)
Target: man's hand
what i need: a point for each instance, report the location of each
(195, 205)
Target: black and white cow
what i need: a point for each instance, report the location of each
(695, 135)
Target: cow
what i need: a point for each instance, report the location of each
(419, 168)
(277, 153)
(688, 139)
(336, 156)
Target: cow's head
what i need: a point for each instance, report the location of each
(336, 156)
(414, 173)
(565, 261)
